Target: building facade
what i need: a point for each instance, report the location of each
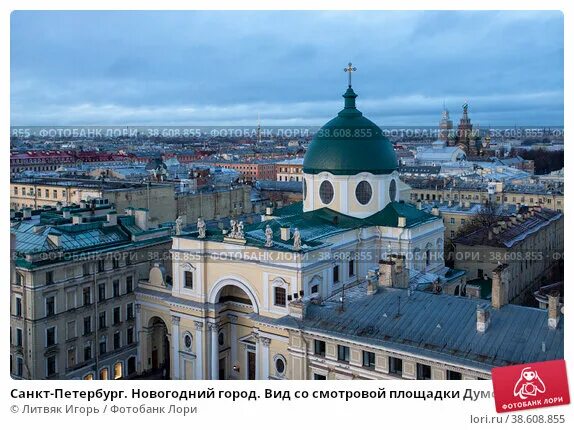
(74, 272)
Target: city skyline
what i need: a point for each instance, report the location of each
(87, 68)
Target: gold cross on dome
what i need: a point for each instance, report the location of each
(350, 69)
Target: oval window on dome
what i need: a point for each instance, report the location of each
(363, 192)
(326, 192)
(393, 190)
(304, 189)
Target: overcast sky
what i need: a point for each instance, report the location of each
(210, 68)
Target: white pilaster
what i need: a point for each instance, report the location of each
(175, 346)
(199, 350)
(265, 341)
(213, 327)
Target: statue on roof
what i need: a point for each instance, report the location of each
(201, 228)
(240, 233)
(179, 225)
(233, 230)
(268, 236)
(296, 239)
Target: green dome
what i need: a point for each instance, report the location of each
(350, 144)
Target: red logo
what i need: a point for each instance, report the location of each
(529, 386)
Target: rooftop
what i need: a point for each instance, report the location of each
(437, 326)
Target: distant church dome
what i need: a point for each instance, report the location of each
(350, 144)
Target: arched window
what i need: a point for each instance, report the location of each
(118, 370)
(104, 374)
(131, 365)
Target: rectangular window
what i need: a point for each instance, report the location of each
(188, 280)
(117, 340)
(19, 366)
(49, 277)
(318, 377)
(452, 234)
(103, 345)
(450, 374)
(423, 371)
(71, 357)
(86, 269)
(50, 306)
(129, 284)
(51, 365)
(50, 336)
(452, 220)
(116, 288)
(395, 366)
(351, 268)
(343, 353)
(18, 305)
(70, 330)
(54, 194)
(130, 336)
(101, 265)
(115, 262)
(117, 315)
(335, 274)
(369, 359)
(280, 297)
(87, 325)
(130, 311)
(319, 347)
(87, 352)
(18, 337)
(70, 299)
(87, 294)
(15, 191)
(101, 292)
(102, 320)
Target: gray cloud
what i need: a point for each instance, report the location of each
(225, 67)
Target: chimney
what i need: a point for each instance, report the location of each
(419, 204)
(66, 213)
(482, 318)
(26, 213)
(285, 232)
(83, 204)
(112, 218)
(141, 218)
(55, 238)
(393, 273)
(372, 282)
(435, 211)
(12, 213)
(513, 220)
(553, 310)
(402, 222)
(77, 219)
(269, 210)
(500, 286)
(298, 308)
(59, 206)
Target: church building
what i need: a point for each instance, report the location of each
(345, 284)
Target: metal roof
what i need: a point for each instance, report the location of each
(439, 327)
